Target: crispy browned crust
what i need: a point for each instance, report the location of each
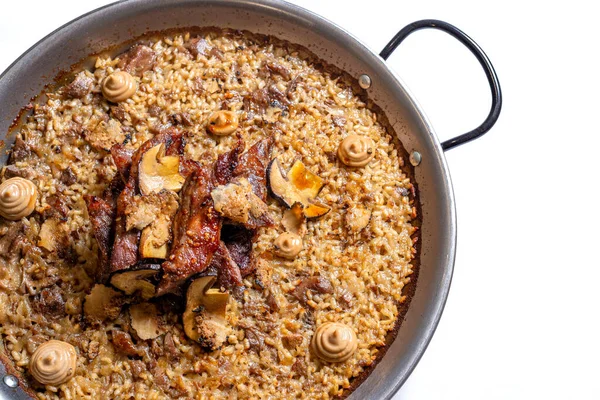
(409, 290)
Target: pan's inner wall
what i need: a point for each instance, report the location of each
(119, 22)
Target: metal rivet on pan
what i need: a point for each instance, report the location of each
(364, 81)
(415, 158)
(10, 381)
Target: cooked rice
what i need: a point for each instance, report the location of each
(369, 268)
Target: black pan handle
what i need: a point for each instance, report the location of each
(483, 59)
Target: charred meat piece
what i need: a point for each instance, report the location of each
(196, 230)
(170, 349)
(123, 343)
(125, 247)
(122, 159)
(20, 150)
(67, 176)
(215, 52)
(314, 283)
(227, 162)
(182, 118)
(256, 339)
(256, 102)
(102, 214)
(137, 60)
(197, 46)
(224, 268)
(277, 98)
(238, 240)
(10, 171)
(274, 68)
(79, 87)
(10, 238)
(50, 302)
(293, 85)
(118, 112)
(57, 207)
(253, 164)
(154, 110)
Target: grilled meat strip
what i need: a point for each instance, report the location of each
(196, 230)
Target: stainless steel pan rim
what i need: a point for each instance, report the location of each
(120, 21)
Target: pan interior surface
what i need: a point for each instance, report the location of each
(92, 33)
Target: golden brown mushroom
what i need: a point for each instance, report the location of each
(222, 122)
(17, 198)
(159, 171)
(53, 363)
(299, 185)
(152, 214)
(204, 318)
(144, 320)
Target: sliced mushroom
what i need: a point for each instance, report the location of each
(293, 220)
(137, 281)
(53, 235)
(153, 241)
(314, 211)
(153, 214)
(204, 317)
(158, 171)
(308, 184)
(144, 320)
(101, 304)
(299, 186)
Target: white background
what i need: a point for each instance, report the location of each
(522, 319)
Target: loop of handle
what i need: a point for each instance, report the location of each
(483, 59)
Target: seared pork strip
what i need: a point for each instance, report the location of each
(222, 265)
(227, 162)
(196, 230)
(253, 164)
(238, 240)
(126, 245)
(102, 216)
